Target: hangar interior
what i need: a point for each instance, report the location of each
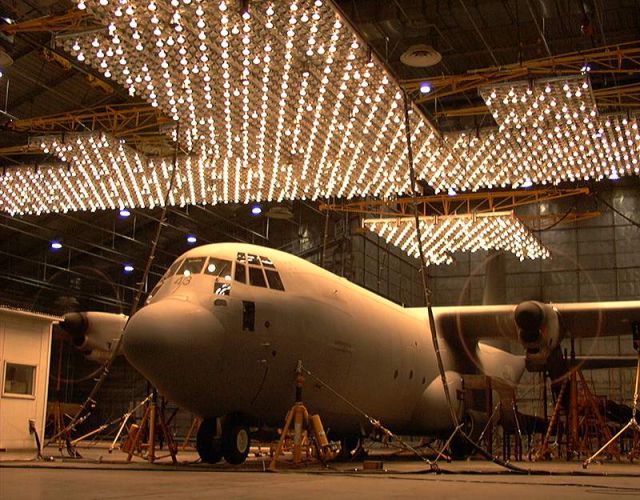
(447, 56)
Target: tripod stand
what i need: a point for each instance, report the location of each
(633, 423)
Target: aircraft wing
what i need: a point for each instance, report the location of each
(582, 319)
(539, 327)
(593, 319)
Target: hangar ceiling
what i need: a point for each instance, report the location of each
(482, 43)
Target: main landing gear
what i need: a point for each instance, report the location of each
(229, 440)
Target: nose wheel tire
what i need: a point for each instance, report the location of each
(236, 443)
(209, 445)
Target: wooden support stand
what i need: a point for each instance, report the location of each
(577, 421)
(154, 425)
(633, 423)
(195, 426)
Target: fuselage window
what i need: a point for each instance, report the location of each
(274, 279)
(240, 273)
(219, 268)
(192, 266)
(256, 277)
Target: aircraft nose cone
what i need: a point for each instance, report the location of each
(176, 346)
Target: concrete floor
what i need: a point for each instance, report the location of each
(103, 475)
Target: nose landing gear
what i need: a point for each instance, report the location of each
(230, 440)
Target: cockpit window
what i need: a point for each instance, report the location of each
(170, 272)
(240, 273)
(256, 277)
(241, 257)
(252, 259)
(274, 279)
(266, 262)
(218, 267)
(192, 266)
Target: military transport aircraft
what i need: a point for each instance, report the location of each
(222, 332)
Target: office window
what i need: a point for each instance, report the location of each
(19, 379)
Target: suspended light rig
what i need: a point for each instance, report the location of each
(442, 236)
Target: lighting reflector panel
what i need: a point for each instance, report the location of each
(442, 236)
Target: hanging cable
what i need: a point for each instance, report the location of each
(615, 210)
(90, 402)
(458, 428)
(374, 422)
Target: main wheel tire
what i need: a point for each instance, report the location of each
(209, 446)
(236, 443)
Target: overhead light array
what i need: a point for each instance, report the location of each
(281, 96)
(98, 172)
(443, 236)
(548, 132)
(283, 101)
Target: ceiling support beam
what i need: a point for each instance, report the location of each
(74, 20)
(616, 59)
(464, 203)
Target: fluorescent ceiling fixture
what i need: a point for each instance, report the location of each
(191, 239)
(425, 87)
(256, 210)
(442, 236)
(124, 213)
(56, 245)
(128, 268)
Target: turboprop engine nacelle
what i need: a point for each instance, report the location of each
(538, 330)
(94, 333)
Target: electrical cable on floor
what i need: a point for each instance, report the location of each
(431, 319)
(90, 401)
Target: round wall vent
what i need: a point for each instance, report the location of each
(421, 56)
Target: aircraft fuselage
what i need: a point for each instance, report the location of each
(220, 336)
